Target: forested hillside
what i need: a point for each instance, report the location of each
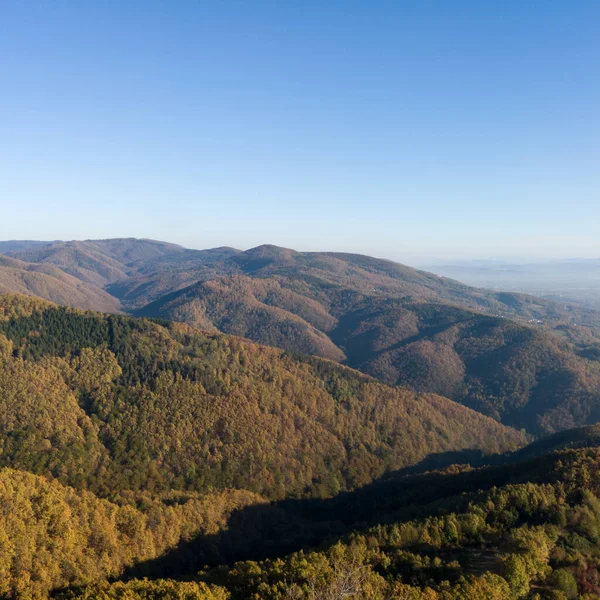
(524, 361)
(18, 245)
(52, 536)
(520, 374)
(113, 403)
(526, 529)
(529, 531)
(139, 271)
(262, 310)
(224, 470)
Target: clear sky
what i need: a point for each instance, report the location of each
(406, 129)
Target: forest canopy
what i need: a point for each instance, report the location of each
(146, 459)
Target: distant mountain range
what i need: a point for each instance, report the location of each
(518, 358)
(18, 245)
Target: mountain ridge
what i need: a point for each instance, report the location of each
(135, 451)
(208, 401)
(401, 325)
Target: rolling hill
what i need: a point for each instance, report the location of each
(98, 262)
(525, 361)
(51, 283)
(336, 278)
(132, 269)
(18, 245)
(502, 532)
(147, 459)
(104, 400)
(520, 373)
(260, 309)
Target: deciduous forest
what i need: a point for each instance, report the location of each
(147, 459)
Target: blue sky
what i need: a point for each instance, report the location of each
(407, 129)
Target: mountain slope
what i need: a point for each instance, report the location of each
(124, 268)
(144, 418)
(502, 532)
(152, 406)
(140, 271)
(88, 261)
(383, 278)
(54, 536)
(526, 532)
(261, 310)
(398, 324)
(136, 266)
(18, 245)
(524, 529)
(325, 275)
(523, 375)
(51, 283)
(105, 262)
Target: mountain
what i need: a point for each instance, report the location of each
(260, 309)
(528, 362)
(341, 281)
(168, 274)
(49, 282)
(150, 267)
(98, 262)
(523, 376)
(140, 271)
(502, 532)
(374, 277)
(152, 424)
(128, 264)
(350, 309)
(147, 459)
(18, 245)
(105, 400)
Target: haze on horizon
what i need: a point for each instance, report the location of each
(415, 132)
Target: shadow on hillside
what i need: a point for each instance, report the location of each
(359, 346)
(278, 528)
